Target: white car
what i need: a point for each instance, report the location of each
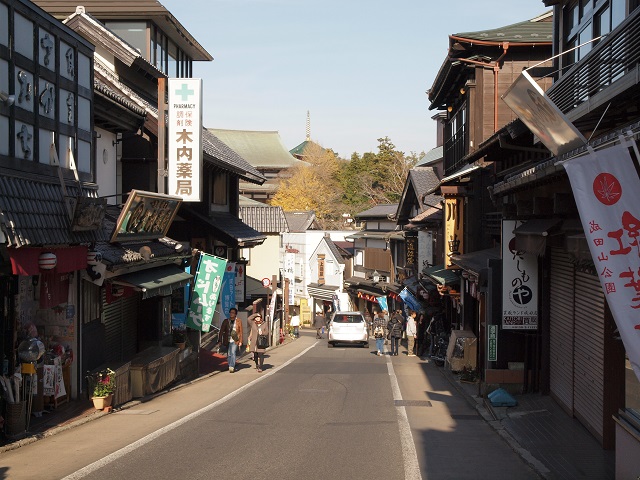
(348, 327)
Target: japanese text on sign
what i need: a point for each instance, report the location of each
(185, 138)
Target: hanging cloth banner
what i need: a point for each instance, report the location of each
(409, 300)
(382, 301)
(206, 289)
(606, 188)
(228, 293)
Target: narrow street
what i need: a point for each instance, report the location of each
(313, 413)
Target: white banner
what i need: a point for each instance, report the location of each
(519, 283)
(606, 187)
(185, 138)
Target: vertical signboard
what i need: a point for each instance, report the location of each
(185, 138)
(453, 225)
(425, 250)
(228, 292)
(241, 275)
(519, 283)
(492, 343)
(206, 289)
(289, 272)
(606, 187)
(411, 253)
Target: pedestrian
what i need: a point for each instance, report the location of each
(395, 331)
(318, 323)
(258, 328)
(411, 333)
(378, 332)
(369, 320)
(230, 336)
(295, 323)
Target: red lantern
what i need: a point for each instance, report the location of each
(47, 261)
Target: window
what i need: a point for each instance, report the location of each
(359, 258)
(134, 33)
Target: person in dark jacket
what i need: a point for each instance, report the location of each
(258, 327)
(395, 331)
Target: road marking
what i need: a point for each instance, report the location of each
(83, 472)
(409, 454)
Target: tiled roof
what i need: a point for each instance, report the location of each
(107, 91)
(335, 250)
(229, 158)
(433, 155)
(227, 227)
(262, 149)
(379, 211)
(264, 218)
(538, 29)
(34, 213)
(300, 221)
(299, 151)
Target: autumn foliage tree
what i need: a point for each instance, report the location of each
(331, 186)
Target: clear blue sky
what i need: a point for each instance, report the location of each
(361, 68)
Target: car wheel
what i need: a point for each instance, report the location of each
(365, 345)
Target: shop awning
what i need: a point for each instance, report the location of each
(322, 292)
(155, 281)
(531, 236)
(227, 227)
(475, 262)
(441, 276)
(454, 176)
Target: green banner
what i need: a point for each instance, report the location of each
(206, 289)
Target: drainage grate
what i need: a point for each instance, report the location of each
(461, 416)
(412, 403)
(136, 412)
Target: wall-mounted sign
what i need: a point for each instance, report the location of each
(519, 283)
(454, 222)
(185, 138)
(411, 252)
(88, 214)
(145, 216)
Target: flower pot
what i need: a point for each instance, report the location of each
(102, 402)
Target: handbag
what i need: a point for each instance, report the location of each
(262, 342)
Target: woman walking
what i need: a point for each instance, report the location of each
(378, 331)
(259, 328)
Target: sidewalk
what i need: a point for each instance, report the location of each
(79, 411)
(555, 445)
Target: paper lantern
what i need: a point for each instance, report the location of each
(93, 257)
(47, 261)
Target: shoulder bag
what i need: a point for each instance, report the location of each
(262, 341)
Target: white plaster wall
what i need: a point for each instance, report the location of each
(106, 166)
(265, 259)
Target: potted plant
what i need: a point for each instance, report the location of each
(179, 338)
(103, 388)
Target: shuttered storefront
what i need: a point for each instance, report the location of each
(589, 352)
(121, 330)
(577, 307)
(561, 329)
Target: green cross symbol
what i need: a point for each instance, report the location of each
(184, 92)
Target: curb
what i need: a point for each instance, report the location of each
(29, 439)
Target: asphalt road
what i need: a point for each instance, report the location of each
(314, 413)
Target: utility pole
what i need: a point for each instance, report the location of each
(162, 108)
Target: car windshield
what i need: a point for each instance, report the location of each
(348, 319)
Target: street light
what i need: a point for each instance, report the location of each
(376, 276)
